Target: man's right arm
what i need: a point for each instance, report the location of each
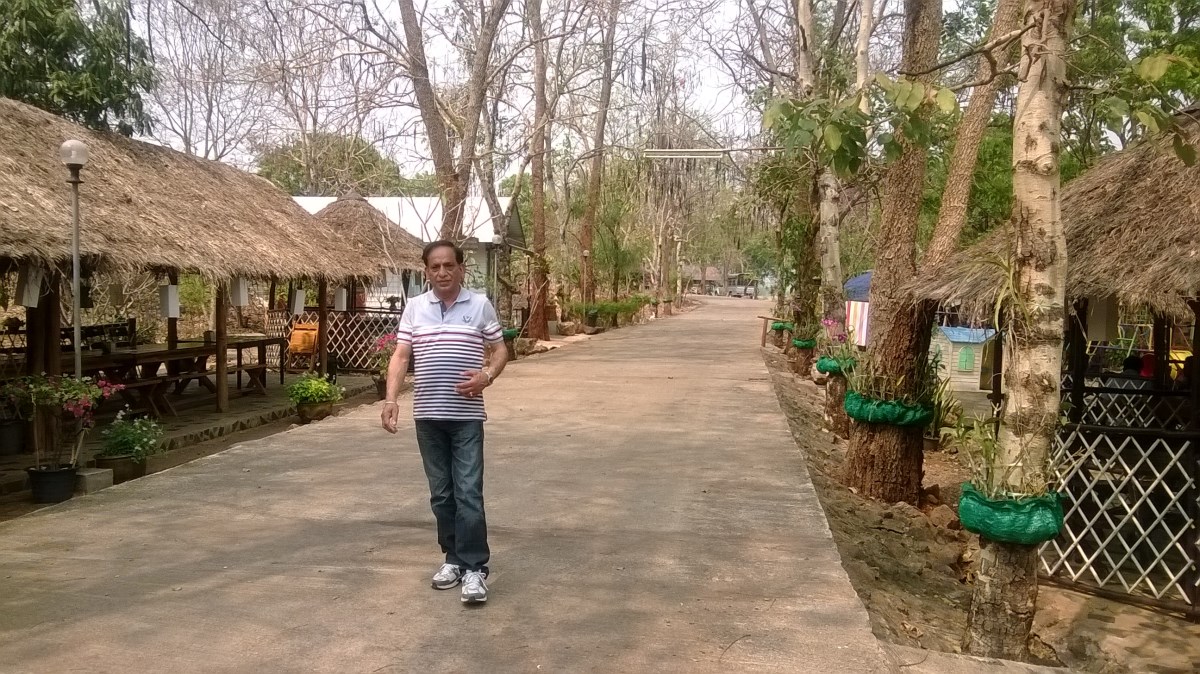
(397, 368)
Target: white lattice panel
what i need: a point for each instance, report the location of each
(1129, 502)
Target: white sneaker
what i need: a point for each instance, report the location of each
(474, 589)
(447, 577)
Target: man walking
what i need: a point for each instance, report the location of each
(445, 331)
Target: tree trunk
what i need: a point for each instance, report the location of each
(835, 413)
(453, 177)
(862, 55)
(885, 462)
(952, 216)
(1003, 602)
(537, 328)
(833, 295)
(596, 175)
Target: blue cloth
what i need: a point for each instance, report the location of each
(967, 335)
(858, 289)
(452, 452)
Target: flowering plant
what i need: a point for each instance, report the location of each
(72, 400)
(381, 354)
(135, 438)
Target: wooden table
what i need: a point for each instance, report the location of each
(137, 369)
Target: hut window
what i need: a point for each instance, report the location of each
(966, 359)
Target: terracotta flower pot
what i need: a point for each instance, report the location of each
(124, 468)
(310, 412)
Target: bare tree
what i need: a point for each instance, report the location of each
(208, 98)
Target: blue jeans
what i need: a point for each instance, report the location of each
(452, 452)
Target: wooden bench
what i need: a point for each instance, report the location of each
(151, 394)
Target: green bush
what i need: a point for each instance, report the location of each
(313, 388)
(135, 438)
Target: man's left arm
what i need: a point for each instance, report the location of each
(493, 334)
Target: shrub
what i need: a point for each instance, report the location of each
(313, 388)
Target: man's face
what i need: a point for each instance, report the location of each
(444, 272)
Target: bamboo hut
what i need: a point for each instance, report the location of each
(1126, 454)
(147, 208)
(349, 334)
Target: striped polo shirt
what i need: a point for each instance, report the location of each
(447, 341)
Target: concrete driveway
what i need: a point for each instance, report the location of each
(648, 512)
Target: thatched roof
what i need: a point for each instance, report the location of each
(1133, 232)
(149, 207)
(370, 234)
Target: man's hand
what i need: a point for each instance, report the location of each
(474, 383)
(390, 416)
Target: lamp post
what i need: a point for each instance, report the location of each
(74, 154)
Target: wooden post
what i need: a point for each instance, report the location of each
(1077, 339)
(323, 326)
(271, 296)
(52, 323)
(1161, 339)
(173, 329)
(35, 339)
(1193, 378)
(222, 375)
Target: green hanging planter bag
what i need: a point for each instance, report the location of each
(1026, 521)
(831, 365)
(780, 325)
(804, 343)
(511, 333)
(890, 412)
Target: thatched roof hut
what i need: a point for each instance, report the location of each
(149, 207)
(1133, 232)
(367, 232)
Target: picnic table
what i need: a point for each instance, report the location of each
(137, 369)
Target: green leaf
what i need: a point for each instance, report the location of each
(884, 82)
(774, 112)
(833, 137)
(1152, 68)
(947, 101)
(1118, 106)
(1147, 120)
(1184, 150)
(916, 97)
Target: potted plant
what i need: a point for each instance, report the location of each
(380, 356)
(15, 410)
(314, 397)
(64, 409)
(994, 504)
(875, 398)
(128, 442)
(779, 330)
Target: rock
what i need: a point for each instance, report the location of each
(568, 329)
(819, 378)
(932, 496)
(905, 510)
(943, 516)
(540, 347)
(587, 330)
(524, 346)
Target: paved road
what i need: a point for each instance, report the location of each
(648, 513)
